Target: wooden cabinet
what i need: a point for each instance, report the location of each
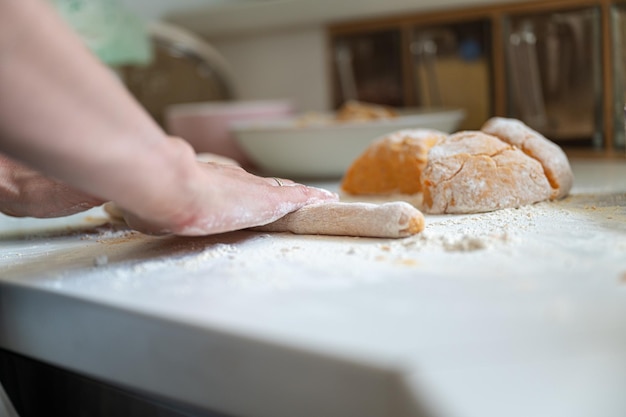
(450, 66)
(558, 65)
(369, 67)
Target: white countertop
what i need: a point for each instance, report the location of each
(517, 312)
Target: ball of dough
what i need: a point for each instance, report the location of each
(472, 172)
(392, 164)
(532, 143)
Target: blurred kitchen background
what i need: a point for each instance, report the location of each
(557, 65)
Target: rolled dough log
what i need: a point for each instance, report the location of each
(389, 220)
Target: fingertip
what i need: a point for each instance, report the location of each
(321, 195)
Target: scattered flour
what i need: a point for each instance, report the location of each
(101, 260)
(566, 230)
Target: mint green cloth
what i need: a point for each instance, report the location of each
(111, 31)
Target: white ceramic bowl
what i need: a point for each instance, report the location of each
(325, 148)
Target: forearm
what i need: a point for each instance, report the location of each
(65, 114)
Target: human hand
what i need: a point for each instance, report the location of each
(228, 198)
(25, 192)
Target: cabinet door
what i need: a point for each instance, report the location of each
(554, 74)
(618, 28)
(452, 68)
(368, 67)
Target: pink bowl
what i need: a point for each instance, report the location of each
(207, 125)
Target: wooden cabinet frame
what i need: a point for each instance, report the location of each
(497, 16)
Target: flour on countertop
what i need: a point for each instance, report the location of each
(448, 233)
(519, 226)
(569, 236)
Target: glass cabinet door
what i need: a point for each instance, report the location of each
(554, 74)
(368, 67)
(618, 22)
(452, 68)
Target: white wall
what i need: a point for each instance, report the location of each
(280, 65)
(156, 9)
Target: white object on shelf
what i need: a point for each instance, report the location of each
(206, 125)
(325, 148)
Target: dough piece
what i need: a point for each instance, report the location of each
(472, 172)
(392, 164)
(114, 212)
(353, 110)
(388, 220)
(532, 143)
